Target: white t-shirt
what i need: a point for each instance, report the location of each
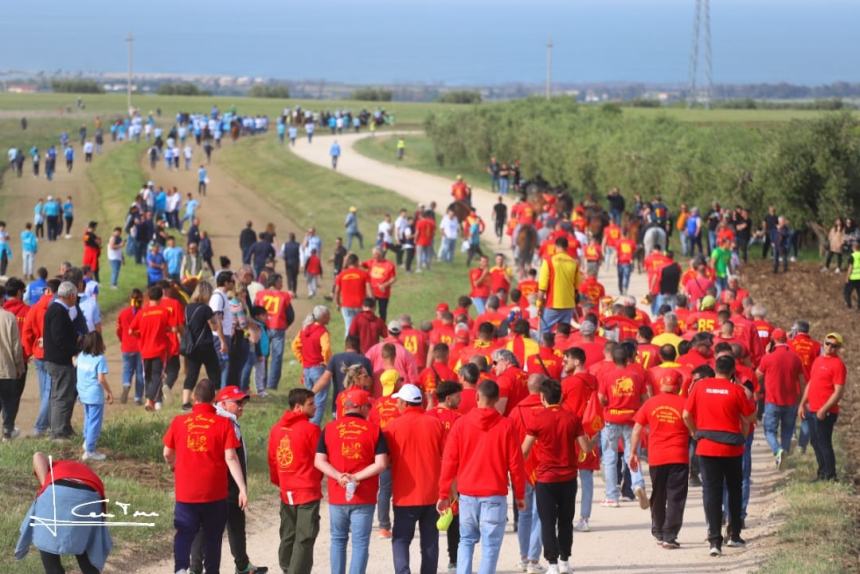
(173, 201)
(114, 253)
(450, 227)
(219, 304)
(385, 229)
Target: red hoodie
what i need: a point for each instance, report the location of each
(292, 449)
(480, 454)
(33, 326)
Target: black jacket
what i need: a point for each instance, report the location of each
(59, 335)
(247, 238)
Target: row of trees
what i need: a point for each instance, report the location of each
(810, 170)
(372, 95)
(76, 86)
(279, 91)
(181, 89)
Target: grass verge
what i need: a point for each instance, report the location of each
(818, 529)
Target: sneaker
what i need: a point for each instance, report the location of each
(715, 551)
(452, 568)
(186, 406)
(251, 569)
(523, 565)
(564, 567)
(534, 568)
(150, 405)
(582, 525)
(644, 503)
(38, 433)
(94, 455)
(138, 401)
(123, 398)
(609, 503)
(671, 544)
(779, 459)
(553, 569)
(736, 542)
(385, 533)
(824, 269)
(628, 497)
(158, 406)
(262, 395)
(11, 435)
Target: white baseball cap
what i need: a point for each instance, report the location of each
(409, 393)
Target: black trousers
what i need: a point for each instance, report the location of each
(382, 308)
(821, 437)
(668, 499)
(205, 356)
(718, 471)
(556, 506)
(171, 371)
(454, 539)
(10, 399)
(235, 536)
(152, 369)
(405, 519)
(54, 565)
(851, 286)
(63, 395)
(292, 278)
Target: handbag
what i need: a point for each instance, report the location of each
(187, 343)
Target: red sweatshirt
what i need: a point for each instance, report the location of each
(292, 449)
(480, 454)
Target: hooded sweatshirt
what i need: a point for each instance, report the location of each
(480, 453)
(292, 448)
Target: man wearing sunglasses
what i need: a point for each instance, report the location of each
(820, 402)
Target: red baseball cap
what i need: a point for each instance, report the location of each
(231, 393)
(441, 307)
(356, 397)
(778, 335)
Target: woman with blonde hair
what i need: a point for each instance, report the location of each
(198, 343)
(835, 241)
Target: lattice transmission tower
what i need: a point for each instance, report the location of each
(701, 36)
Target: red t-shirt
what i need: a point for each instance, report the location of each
(627, 328)
(545, 362)
(128, 343)
(576, 390)
(353, 287)
(513, 385)
(447, 416)
(499, 280)
(666, 373)
(380, 272)
(593, 253)
(827, 372)
(718, 405)
(415, 342)
(647, 355)
(623, 388)
(384, 411)
(152, 324)
(275, 303)
(527, 287)
(415, 442)
(442, 333)
(313, 266)
(556, 430)
(807, 349)
(425, 228)
(626, 251)
(200, 440)
(668, 437)
(468, 401)
(177, 319)
(782, 370)
(592, 290)
(430, 377)
(351, 443)
(482, 289)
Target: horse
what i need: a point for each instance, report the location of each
(461, 210)
(596, 219)
(525, 244)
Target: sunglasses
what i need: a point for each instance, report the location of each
(831, 344)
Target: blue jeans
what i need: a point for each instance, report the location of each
(132, 364)
(503, 185)
(722, 283)
(803, 433)
(661, 300)
(43, 419)
(528, 527)
(247, 365)
(624, 270)
(480, 304)
(712, 240)
(446, 249)
(223, 358)
(586, 481)
(551, 317)
(609, 443)
(311, 376)
(615, 216)
(348, 314)
(383, 500)
(346, 519)
(482, 519)
(782, 417)
(93, 417)
(277, 340)
(115, 265)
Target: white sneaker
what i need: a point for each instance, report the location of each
(524, 565)
(553, 569)
(158, 406)
(95, 455)
(534, 568)
(564, 567)
(582, 525)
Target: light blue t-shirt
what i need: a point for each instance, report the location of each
(173, 256)
(191, 207)
(90, 392)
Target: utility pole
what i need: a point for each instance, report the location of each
(549, 68)
(701, 28)
(130, 40)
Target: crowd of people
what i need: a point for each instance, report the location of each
(525, 386)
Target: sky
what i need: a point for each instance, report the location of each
(462, 42)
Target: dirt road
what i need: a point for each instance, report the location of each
(620, 539)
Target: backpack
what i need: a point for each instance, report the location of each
(592, 416)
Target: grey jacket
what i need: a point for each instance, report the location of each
(11, 352)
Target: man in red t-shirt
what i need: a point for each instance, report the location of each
(668, 462)
(413, 340)
(152, 325)
(352, 453)
(436, 372)
(626, 252)
(718, 413)
(351, 287)
(479, 279)
(200, 448)
(425, 230)
(547, 361)
(621, 391)
(383, 275)
(555, 433)
(279, 317)
(782, 373)
(820, 402)
(415, 443)
(369, 328)
(292, 447)
(500, 277)
(512, 381)
(130, 348)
